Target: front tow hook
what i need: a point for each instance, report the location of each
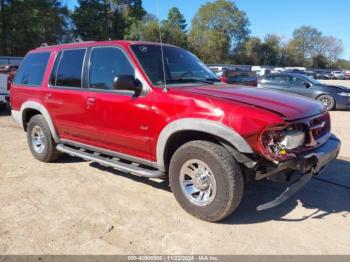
(290, 191)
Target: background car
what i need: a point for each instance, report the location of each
(7, 74)
(333, 97)
(324, 75)
(340, 75)
(239, 77)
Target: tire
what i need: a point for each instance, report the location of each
(40, 140)
(221, 172)
(328, 101)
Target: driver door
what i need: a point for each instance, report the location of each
(117, 120)
(300, 86)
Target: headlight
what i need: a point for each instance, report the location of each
(293, 139)
(344, 94)
(277, 143)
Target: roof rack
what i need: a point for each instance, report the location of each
(76, 41)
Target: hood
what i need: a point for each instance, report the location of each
(337, 88)
(289, 106)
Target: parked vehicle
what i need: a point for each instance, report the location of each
(218, 70)
(277, 70)
(310, 73)
(347, 73)
(324, 75)
(333, 97)
(7, 73)
(299, 68)
(261, 71)
(156, 112)
(340, 75)
(239, 77)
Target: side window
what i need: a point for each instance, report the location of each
(280, 80)
(106, 64)
(68, 68)
(32, 69)
(293, 80)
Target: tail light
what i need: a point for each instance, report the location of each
(224, 79)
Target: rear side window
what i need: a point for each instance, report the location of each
(68, 68)
(32, 69)
(276, 79)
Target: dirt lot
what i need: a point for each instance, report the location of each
(77, 207)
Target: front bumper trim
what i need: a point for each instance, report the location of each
(310, 164)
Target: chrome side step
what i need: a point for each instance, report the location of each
(109, 161)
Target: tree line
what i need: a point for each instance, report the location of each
(218, 33)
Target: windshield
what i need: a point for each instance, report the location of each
(180, 66)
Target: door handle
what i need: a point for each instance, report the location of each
(48, 96)
(91, 100)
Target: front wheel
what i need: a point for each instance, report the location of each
(206, 180)
(327, 100)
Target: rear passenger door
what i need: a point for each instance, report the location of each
(64, 98)
(117, 120)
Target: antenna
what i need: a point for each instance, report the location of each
(161, 49)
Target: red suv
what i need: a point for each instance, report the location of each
(156, 111)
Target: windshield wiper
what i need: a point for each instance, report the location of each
(187, 80)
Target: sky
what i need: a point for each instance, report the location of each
(272, 16)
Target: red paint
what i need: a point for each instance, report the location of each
(132, 125)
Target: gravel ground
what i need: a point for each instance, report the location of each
(78, 207)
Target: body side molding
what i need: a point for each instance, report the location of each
(201, 125)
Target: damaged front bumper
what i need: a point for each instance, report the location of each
(309, 164)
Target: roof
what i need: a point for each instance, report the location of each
(287, 74)
(93, 43)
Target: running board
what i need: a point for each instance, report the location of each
(109, 161)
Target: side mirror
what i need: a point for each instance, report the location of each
(127, 83)
(307, 84)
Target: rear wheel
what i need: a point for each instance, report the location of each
(206, 180)
(40, 140)
(328, 101)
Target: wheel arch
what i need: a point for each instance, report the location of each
(181, 131)
(31, 108)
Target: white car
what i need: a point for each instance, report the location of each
(4, 93)
(339, 75)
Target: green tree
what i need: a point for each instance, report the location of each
(305, 39)
(26, 24)
(271, 50)
(149, 31)
(93, 20)
(308, 42)
(176, 19)
(106, 19)
(342, 64)
(218, 29)
(251, 52)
